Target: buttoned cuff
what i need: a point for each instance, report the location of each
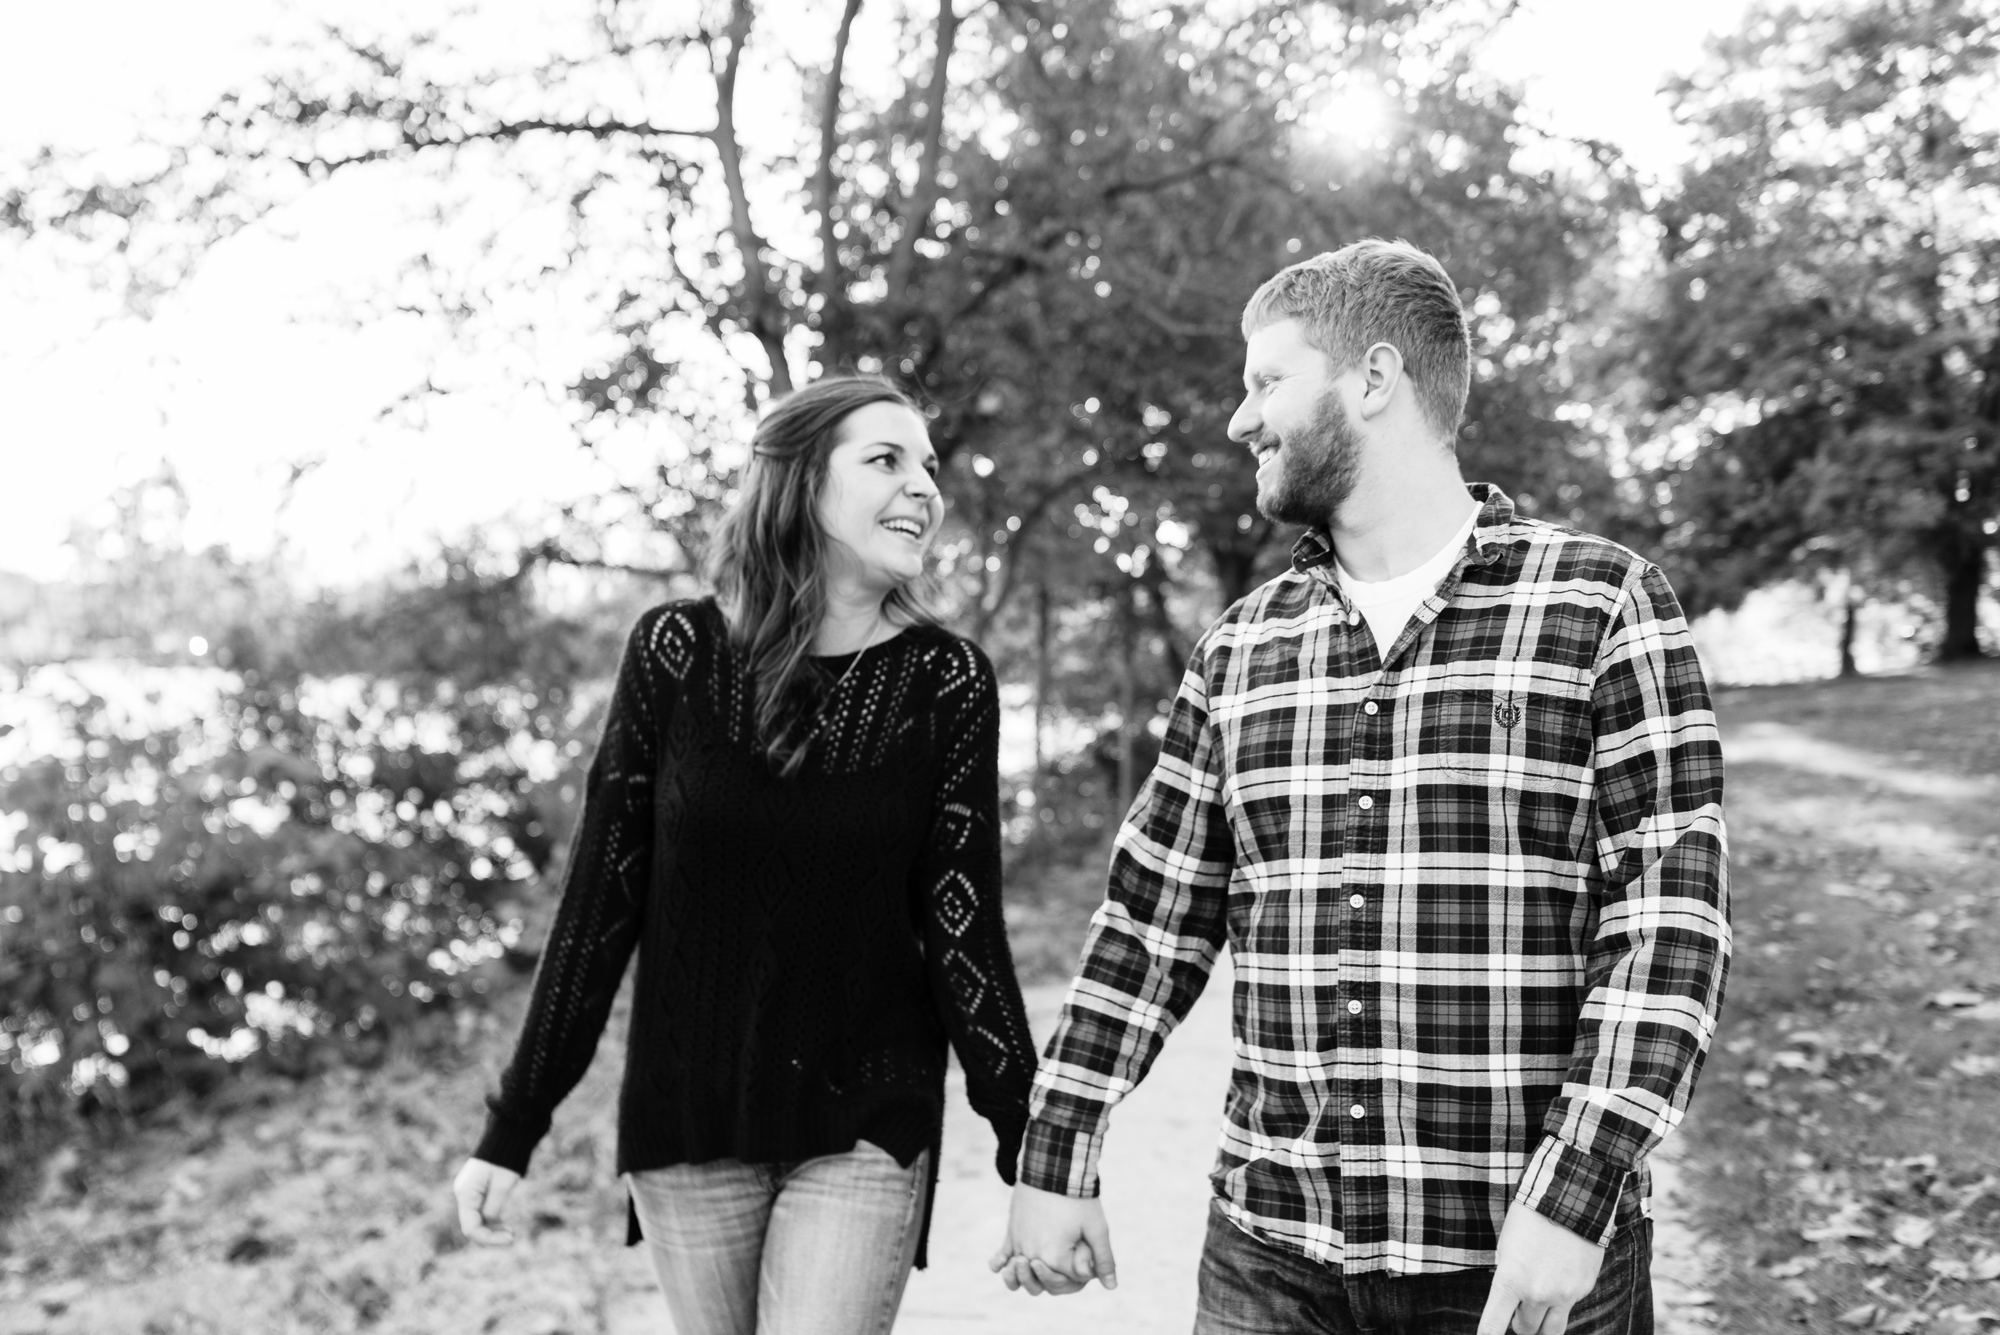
(1576, 1190)
(1060, 1159)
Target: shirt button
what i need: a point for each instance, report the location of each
(1357, 1112)
(1354, 1008)
(1366, 802)
(1357, 901)
(1370, 708)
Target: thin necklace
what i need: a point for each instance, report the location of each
(819, 715)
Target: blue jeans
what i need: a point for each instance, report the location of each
(823, 1245)
(1249, 1287)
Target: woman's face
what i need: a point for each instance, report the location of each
(880, 506)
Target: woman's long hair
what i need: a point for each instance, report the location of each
(768, 559)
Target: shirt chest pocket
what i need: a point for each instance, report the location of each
(1523, 756)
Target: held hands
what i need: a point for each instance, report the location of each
(1054, 1244)
(1543, 1271)
(481, 1189)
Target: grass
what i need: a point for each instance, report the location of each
(1844, 1144)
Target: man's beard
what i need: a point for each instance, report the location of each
(1317, 467)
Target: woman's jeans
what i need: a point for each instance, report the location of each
(823, 1245)
(1248, 1287)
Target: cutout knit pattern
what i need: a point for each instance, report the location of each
(806, 946)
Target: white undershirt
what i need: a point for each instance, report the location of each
(1389, 603)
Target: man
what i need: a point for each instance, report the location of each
(1450, 790)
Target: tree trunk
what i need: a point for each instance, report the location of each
(1041, 679)
(1235, 553)
(1850, 614)
(1128, 701)
(1964, 576)
(1233, 568)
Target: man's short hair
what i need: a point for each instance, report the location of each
(1377, 291)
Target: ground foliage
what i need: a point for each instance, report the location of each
(293, 856)
(1846, 1163)
(1841, 1161)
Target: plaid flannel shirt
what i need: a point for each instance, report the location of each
(1475, 896)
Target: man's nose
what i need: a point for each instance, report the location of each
(1244, 422)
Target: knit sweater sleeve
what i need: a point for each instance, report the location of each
(603, 893)
(965, 933)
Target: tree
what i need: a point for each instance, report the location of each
(1825, 330)
(1045, 217)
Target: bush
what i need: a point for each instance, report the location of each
(293, 870)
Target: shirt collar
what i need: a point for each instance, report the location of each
(1489, 532)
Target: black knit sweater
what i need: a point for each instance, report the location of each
(807, 944)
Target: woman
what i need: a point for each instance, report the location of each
(793, 816)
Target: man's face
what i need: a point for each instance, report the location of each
(1308, 451)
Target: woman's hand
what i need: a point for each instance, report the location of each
(482, 1189)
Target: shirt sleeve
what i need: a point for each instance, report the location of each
(1654, 972)
(964, 927)
(597, 922)
(1151, 945)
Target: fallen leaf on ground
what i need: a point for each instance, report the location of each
(1845, 1223)
(1955, 998)
(1912, 1231)
(1986, 1266)
(1793, 1268)
(1803, 1291)
(1976, 1064)
(1950, 1267)
(1961, 1320)
(1863, 1315)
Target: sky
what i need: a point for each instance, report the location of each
(241, 375)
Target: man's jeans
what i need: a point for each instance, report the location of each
(823, 1246)
(1249, 1287)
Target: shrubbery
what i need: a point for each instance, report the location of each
(300, 866)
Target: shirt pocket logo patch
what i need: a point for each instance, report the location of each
(1507, 714)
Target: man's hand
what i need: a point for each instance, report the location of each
(481, 1189)
(1543, 1271)
(1054, 1244)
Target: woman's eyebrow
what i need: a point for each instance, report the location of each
(930, 457)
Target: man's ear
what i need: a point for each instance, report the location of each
(1381, 371)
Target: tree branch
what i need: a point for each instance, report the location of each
(823, 189)
(917, 209)
(764, 316)
(1030, 515)
(552, 552)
